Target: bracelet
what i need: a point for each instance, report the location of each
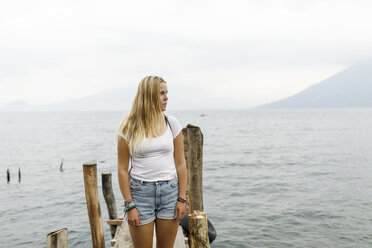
(180, 199)
(129, 206)
(127, 202)
(128, 209)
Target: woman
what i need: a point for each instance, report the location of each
(154, 189)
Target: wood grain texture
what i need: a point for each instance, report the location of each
(187, 159)
(108, 194)
(193, 142)
(93, 205)
(58, 239)
(198, 227)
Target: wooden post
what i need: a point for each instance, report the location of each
(93, 206)
(193, 146)
(110, 199)
(8, 175)
(58, 239)
(198, 226)
(187, 159)
(60, 167)
(19, 174)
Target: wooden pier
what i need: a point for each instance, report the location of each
(120, 236)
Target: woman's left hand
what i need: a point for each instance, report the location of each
(180, 211)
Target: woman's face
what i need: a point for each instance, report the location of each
(163, 96)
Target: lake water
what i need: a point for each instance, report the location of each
(272, 178)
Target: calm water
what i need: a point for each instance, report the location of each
(283, 178)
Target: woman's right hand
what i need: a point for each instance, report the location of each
(134, 217)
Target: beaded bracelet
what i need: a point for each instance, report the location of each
(129, 206)
(127, 202)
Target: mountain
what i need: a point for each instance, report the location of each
(17, 105)
(351, 88)
(180, 98)
(115, 99)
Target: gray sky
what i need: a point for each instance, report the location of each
(252, 52)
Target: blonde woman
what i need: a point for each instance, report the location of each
(154, 189)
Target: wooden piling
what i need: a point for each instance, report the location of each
(61, 166)
(58, 239)
(187, 159)
(19, 174)
(8, 175)
(93, 206)
(198, 226)
(193, 147)
(110, 199)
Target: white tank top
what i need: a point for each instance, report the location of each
(155, 161)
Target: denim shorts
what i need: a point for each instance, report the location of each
(154, 199)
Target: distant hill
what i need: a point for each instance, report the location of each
(351, 88)
(120, 99)
(115, 99)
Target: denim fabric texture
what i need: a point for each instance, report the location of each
(154, 199)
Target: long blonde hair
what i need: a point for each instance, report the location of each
(145, 115)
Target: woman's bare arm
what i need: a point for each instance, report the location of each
(123, 163)
(179, 159)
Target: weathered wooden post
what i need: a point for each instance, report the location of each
(198, 229)
(93, 206)
(8, 175)
(110, 199)
(198, 225)
(193, 139)
(58, 239)
(60, 167)
(19, 174)
(187, 159)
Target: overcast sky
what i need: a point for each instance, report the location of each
(251, 51)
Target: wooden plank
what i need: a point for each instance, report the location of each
(123, 239)
(115, 222)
